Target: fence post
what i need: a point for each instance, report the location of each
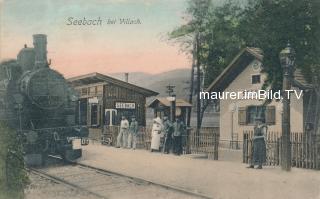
(188, 141)
(216, 145)
(244, 147)
(317, 149)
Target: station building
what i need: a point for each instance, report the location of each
(104, 100)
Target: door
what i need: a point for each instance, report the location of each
(110, 117)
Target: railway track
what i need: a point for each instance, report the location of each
(99, 183)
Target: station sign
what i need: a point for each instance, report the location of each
(93, 100)
(125, 105)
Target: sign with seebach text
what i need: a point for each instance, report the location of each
(125, 105)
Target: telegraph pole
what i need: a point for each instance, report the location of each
(170, 89)
(198, 83)
(172, 99)
(192, 81)
(287, 62)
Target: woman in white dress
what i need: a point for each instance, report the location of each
(156, 134)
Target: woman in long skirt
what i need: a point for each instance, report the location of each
(156, 134)
(259, 145)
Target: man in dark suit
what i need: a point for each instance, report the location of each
(178, 131)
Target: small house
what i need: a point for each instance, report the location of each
(237, 115)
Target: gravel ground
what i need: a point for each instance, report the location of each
(103, 184)
(218, 179)
(42, 188)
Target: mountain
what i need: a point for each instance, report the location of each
(158, 82)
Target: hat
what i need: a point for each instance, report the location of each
(158, 120)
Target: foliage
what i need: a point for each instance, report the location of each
(216, 28)
(270, 24)
(266, 24)
(13, 176)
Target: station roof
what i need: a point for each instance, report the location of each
(165, 102)
(94, 78)
(240, 62)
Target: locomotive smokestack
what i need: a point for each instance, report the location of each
(126, 77)
(40, 48)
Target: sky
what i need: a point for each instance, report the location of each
(76, 50)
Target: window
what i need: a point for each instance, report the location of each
(84, 91)
(255, 79)
(112, 91)
(255, 111)
(92, 90)
(99, 90)
(94, 114)
(247, 115)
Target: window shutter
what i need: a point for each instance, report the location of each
(99, 114)
(270, 115)
(242, 115)
(89, 115)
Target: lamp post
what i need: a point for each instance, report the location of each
(287, 63)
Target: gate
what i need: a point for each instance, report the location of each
(205, 141)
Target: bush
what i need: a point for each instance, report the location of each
(13, 176)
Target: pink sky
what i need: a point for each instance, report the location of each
(76, 50)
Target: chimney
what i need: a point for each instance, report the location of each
(126, 77)
(40, 48)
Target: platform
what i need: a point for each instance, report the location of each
(217, 179)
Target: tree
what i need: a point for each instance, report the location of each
(271, 24)
(211, 37)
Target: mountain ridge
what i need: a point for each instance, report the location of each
(158, 82)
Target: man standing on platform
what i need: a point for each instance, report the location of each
(168, 129)
(133, 132)
(178, 131)
(123, 133)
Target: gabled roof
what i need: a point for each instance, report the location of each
(93, 78)
(164, 101)
(240, 62)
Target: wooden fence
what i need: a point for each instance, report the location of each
(305, 149)
(204, 141)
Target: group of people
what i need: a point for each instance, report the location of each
(127, 137)
(165, 135)
(171, 134)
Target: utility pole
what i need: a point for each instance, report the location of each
(172, 99)
(192, 81)
(170, 89)
(287, 62)
(198, 83)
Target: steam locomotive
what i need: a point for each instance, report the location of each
(39, 103)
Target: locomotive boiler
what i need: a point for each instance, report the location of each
(39, 103)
